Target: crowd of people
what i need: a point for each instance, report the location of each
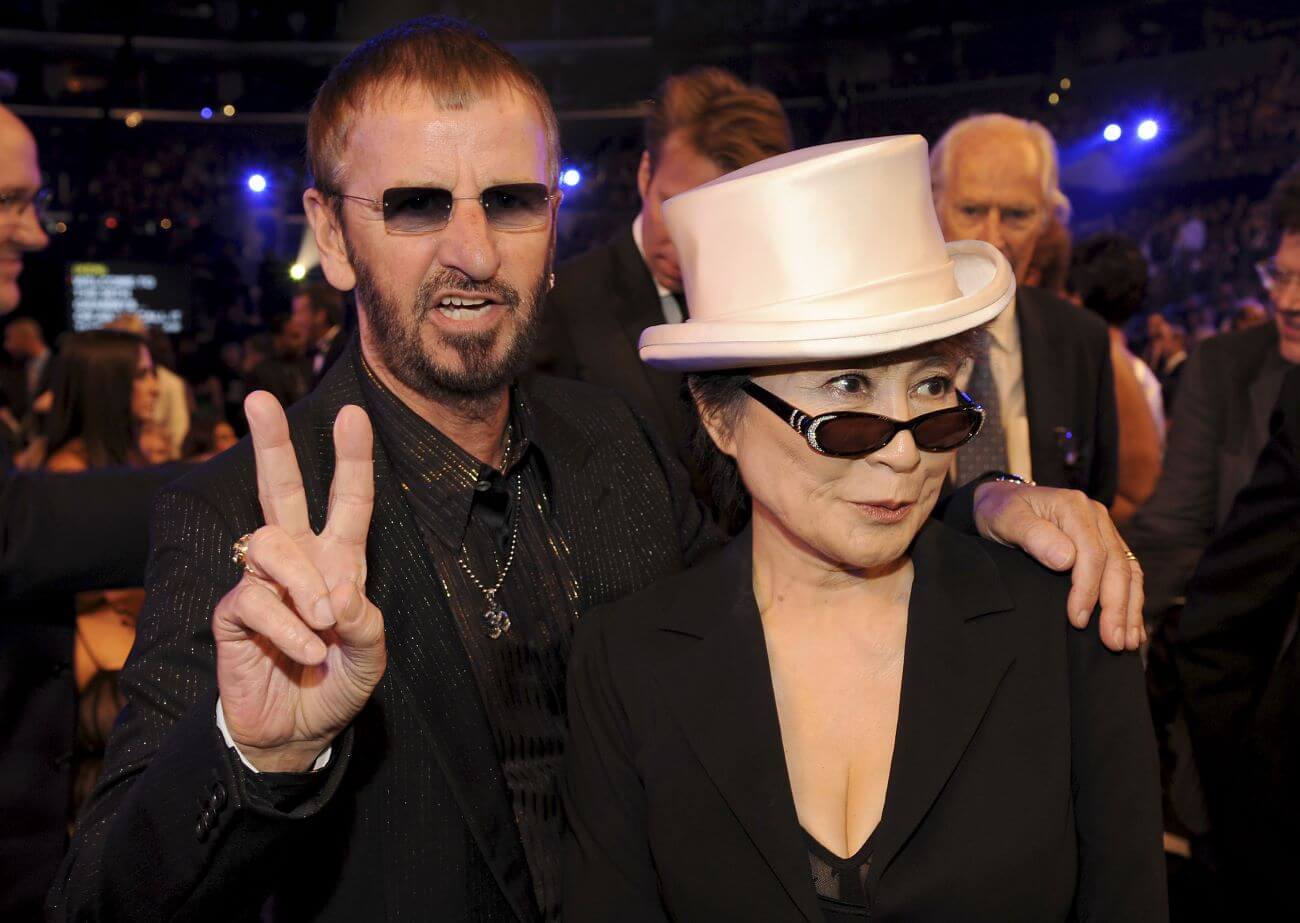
(511, 452)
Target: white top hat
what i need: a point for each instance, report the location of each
(830, 252)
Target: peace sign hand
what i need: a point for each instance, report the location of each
(300, 648)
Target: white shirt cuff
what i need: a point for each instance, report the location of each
(225, 735)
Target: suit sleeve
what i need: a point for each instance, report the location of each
(1171, 530)
(1104, 477)
(176, 829)
(697, 533)
(609, 872)
(64, 533)
(1240, 601)
(1116, 785)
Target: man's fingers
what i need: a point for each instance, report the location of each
(360, 632)
(1076, 517)
(254, 610)
(279, 479)
(1116, 587)
(275, 558)
(352, 493)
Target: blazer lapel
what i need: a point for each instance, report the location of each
(720, 691)
(427, 665)
(637, 308)
(1044, 394)
(954, 660)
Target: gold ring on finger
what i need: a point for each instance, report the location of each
(239, 551)
(1128, 553)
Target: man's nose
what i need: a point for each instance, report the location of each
(26, 232)
(468, 243)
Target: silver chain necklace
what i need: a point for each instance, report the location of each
(497, 619)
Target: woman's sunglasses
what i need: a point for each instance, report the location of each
(852, 435)
(419, 209)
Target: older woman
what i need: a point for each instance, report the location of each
(851, 710)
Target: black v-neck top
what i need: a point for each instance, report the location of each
(841, 883)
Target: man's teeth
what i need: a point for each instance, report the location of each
(460, 308)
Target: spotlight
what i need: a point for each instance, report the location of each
(1112, 132)
(570, 177)
(228, 111)
(165, 224)
(1065, 83)
(205, 113)
(111, 223)
(1053, 98)
(297, 272)
(257, 182)
(1148, 129)
(134, 119)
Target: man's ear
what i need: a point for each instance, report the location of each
(326, 227)
(644, 173)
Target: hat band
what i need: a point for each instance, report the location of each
(903, 292)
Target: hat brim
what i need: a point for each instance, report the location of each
(983, 277)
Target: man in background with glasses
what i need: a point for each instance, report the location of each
(1219, 425)
(21, 200)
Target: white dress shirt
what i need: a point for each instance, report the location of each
(667, 301)
(1008, 369)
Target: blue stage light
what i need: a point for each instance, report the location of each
(1112, 132)
(257, 182)
(570, 177)
(1148, 129)
(205, 112)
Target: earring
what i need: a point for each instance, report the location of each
(550, 282)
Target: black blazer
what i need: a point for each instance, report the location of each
(59, 534)
(1239, 664)
(1218, 428)
(601, 303)
(1023, 784)
(1069, 388)
(412, 818)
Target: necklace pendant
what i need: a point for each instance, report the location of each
(497, 619)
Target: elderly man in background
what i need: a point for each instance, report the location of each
(1046, 384)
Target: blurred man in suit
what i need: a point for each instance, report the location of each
(702, 124)
(1220, 419)
(1046, 385)
(318, 314)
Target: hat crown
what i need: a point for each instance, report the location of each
(782, 230)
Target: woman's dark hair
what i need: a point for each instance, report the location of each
(92, 387)
(1110, 275)
(719, 394)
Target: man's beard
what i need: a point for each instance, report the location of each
(397, 336)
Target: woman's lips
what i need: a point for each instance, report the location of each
(886, 512)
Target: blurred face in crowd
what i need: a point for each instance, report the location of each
(291, 341)
(23, 340)
(994, 193)
(450, 312)
(144, 391)
(223, 436)
(153, 446)
(858, 513)
(307, 319)
(1285, 294)
(680, 168)
(20, 179)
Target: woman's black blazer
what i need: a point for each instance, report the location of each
(1023, 784)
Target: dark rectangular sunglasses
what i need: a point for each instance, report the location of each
(851, 435)
(418, 209)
